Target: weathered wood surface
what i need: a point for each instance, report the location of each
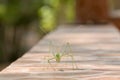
(96, 50)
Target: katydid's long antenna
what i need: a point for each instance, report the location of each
(52, 48)
(69, 47)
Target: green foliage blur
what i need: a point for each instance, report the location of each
(20, 17)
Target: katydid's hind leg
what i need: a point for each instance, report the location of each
(50, 63)
(73, 63)
(71, 55)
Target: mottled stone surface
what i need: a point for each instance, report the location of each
(96, 50)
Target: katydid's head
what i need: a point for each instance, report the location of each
(57, 57)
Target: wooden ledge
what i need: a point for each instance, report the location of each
(95, 48)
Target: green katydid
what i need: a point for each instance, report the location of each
(58, 55)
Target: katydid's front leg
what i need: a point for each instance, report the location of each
(50, 63)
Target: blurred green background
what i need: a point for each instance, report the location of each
(24, 22)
